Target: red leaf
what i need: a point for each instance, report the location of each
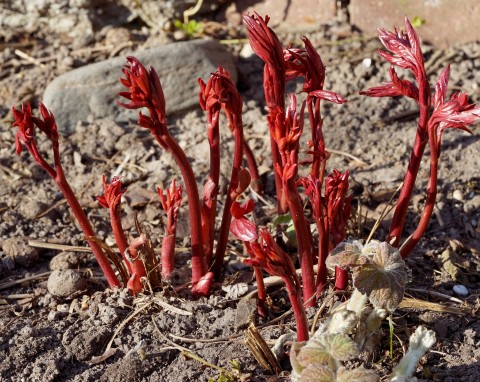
(327, 96)
(441, 88)
(243, 229)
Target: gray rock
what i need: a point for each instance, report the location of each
(64, 283)
(92, 89)
(17, 249)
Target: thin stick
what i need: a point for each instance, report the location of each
(29, 58)
(59, 247)
(192, 11)
(437, 294)
(9, 284)
(388, 207)
(171, 308)
(125, 322)
(348, 155)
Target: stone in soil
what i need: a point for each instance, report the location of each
(92, 89)
(66, 260)
(65, 283)
(17, 249)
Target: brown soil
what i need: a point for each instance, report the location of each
(43, 338)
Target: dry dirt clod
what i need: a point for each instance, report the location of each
(64, 283)
(66, 260)
(17, 249)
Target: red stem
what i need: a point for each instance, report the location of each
(119, 234)
(138, 270)
(253, 168)
(323, 242)
(431, 196)
(261, 291)
(421, 139)
(168, 255)
(304, 240)
(86, 228)
(282, 206)
(234, 120)
(198, 257)
(298, 309)
(209, 205)
(316, 123)
(341, 278)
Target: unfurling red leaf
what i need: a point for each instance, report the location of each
(384, 276)
(243, 229)
(441, 86)
(239, 210)
(327, 96)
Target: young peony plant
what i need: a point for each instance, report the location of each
(379, 276)
(437, 113)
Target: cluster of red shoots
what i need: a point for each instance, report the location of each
(327, 195)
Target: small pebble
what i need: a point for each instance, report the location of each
(55, 316)
(367, 62)
(458, 195)
(460, 290)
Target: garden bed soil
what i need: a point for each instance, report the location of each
(157, 337)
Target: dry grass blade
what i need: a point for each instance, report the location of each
(113, 257)
(437, 294)
(171, 308)
(59, 247)
(348, 155)
(150, 259)
(414, 303)
(8, 284)
(125, 322)
(261, 351)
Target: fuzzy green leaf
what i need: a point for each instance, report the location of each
(358, 375)
(346, 254)
(340, 346)
(326, 349)
(296, 348)
(384, 276)
(317, 373)
(314, 352)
